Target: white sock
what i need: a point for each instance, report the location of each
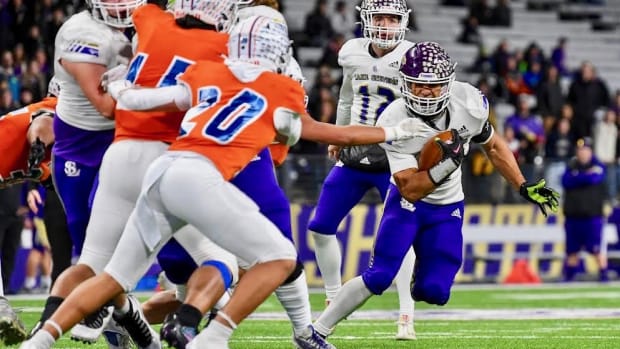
(217, 333)
(42, 338)
(352, 296)
(329, 260)
(30, 282)
(296, 301)
(46, 281)
(403, 284)
(124, 309)
(222, 301)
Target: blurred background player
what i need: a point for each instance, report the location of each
(370, 84)
(584, 182)
(424, 208)
(39, 262)
(25, 135)
(139, 139)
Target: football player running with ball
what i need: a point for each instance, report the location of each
(424, 209)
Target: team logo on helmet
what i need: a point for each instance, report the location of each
(427, 63)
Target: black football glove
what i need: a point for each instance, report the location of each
(36, 155)
(537, 193)
(452, 156)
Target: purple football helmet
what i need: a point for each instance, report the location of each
(427, 63)
(382, 36)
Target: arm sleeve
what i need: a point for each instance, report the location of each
(343, 112)
(485, 134)
(153, 98)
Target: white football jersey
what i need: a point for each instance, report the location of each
(467, 112)
(82, 39)
(369, 84)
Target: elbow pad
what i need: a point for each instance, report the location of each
(287, 123)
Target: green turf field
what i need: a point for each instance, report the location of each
(546, 317)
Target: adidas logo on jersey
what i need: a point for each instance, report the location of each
(456, 213)
(365, 161)
(395, 64)
(463, 129)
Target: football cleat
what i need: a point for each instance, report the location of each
(175, 334)
(405, 329)
(138, 328)
(116, 336)
(12, 329)
(311, 339)
(90, 329)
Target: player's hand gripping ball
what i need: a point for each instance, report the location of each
(432, 152)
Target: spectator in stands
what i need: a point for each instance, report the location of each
(11, 223)
(586, 94)
(502, 14)
(605, 139)
(481, 10)
(528, 130)
(558, 56)
(511, 85)
(550, 98)
(318, 26)
(615, 103)
(533, 54)
(33, 80)
(470, 34)
(500, 57)
(7, 103)
(330, 53)
(584, 189)
(559, 148)
(533, 76)
(342, 20)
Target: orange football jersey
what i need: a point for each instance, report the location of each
(14, 146)
(164, 51)
(278, 153)
(232, 121)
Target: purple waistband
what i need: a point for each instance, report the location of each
(82, 146)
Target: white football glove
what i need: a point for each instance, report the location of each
(404, 130)
(115, 88)
(117, 73)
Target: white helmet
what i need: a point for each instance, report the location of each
(219, 13)
(115, 13)
(384, 37)
(260, 41)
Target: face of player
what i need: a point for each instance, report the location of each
(119, 8)
(388, 25)
(427, 90)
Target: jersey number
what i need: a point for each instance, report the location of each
(228, 122)
(169, 78)
(384, 92)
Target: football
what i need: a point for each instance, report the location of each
(432, 153)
